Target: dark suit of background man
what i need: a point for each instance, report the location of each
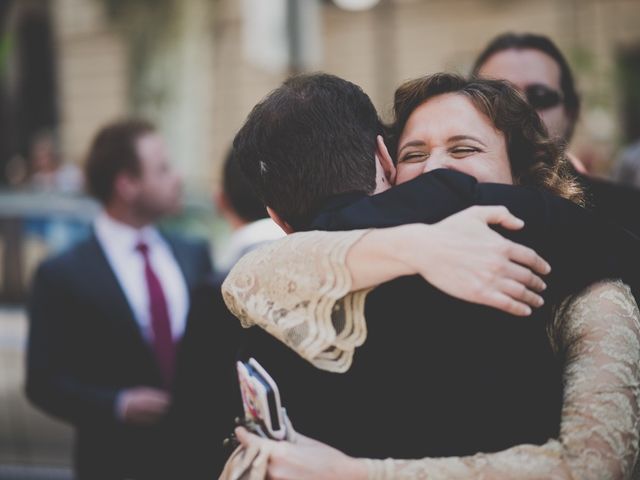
(107, 316)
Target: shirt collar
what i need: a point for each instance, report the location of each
(124, 237)
(259, 231)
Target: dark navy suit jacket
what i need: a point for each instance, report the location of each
(85, 347)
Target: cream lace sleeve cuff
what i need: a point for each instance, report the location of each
(297, 289)
(379, 469)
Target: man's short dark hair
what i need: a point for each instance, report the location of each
(310, 139)
(239, 192)
(113, 151)
(522, 41)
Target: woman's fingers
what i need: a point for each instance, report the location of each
(519, 253)
(506, 303)
(518, 292)
(528, 257)
(497, 216)
(246, 438)
(515, 295)
(524, 277)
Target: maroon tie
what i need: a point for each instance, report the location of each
(163, 344)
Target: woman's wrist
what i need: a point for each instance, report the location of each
(378, 256)
(412, 246)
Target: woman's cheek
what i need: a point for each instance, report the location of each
(408, 171)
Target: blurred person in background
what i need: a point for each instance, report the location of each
(626, 170)
(246, 215)
(46, 169)
(107, 316)
(539, 70)
(535, 66)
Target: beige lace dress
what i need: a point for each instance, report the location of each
(298, 290)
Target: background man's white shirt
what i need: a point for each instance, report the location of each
(245, 238)
(119, 241)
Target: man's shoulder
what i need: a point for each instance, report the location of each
(69, 268)
(75, 254)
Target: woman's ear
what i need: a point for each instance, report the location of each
(385, 160)
(281, 223)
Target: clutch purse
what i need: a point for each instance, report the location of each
(263, 412)
(263, 415)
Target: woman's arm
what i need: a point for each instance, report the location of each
(460, 256)
(298, 288)
(599, 334)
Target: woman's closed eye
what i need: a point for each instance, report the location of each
(414, 157)
(463, 151)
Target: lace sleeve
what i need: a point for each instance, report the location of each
(599, 333)
(297, 289)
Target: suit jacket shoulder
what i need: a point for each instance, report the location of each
(70, 263)
(193, 256)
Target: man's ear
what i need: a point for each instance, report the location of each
(281, 223)
(388, 167)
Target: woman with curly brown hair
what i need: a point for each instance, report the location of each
(482, 128)
(439, 123)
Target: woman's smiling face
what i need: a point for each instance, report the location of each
(447, 131)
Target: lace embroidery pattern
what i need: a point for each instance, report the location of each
(296, 289)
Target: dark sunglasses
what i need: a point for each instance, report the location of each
(541, 97)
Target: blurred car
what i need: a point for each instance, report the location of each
(33, 226)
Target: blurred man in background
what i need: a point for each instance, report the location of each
(107, 316)
(537, 68)
(535, 65)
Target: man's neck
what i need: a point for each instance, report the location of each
(126, 216)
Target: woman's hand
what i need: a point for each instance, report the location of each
(307, 459)
(464, 257)
(460, 255)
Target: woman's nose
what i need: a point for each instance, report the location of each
(436, 160)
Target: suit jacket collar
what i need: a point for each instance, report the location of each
(425, 199)
(333, 204)
(112, 233)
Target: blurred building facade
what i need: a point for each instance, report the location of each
(197, 67)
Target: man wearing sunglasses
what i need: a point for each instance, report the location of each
(535, 65)
(539, 70)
